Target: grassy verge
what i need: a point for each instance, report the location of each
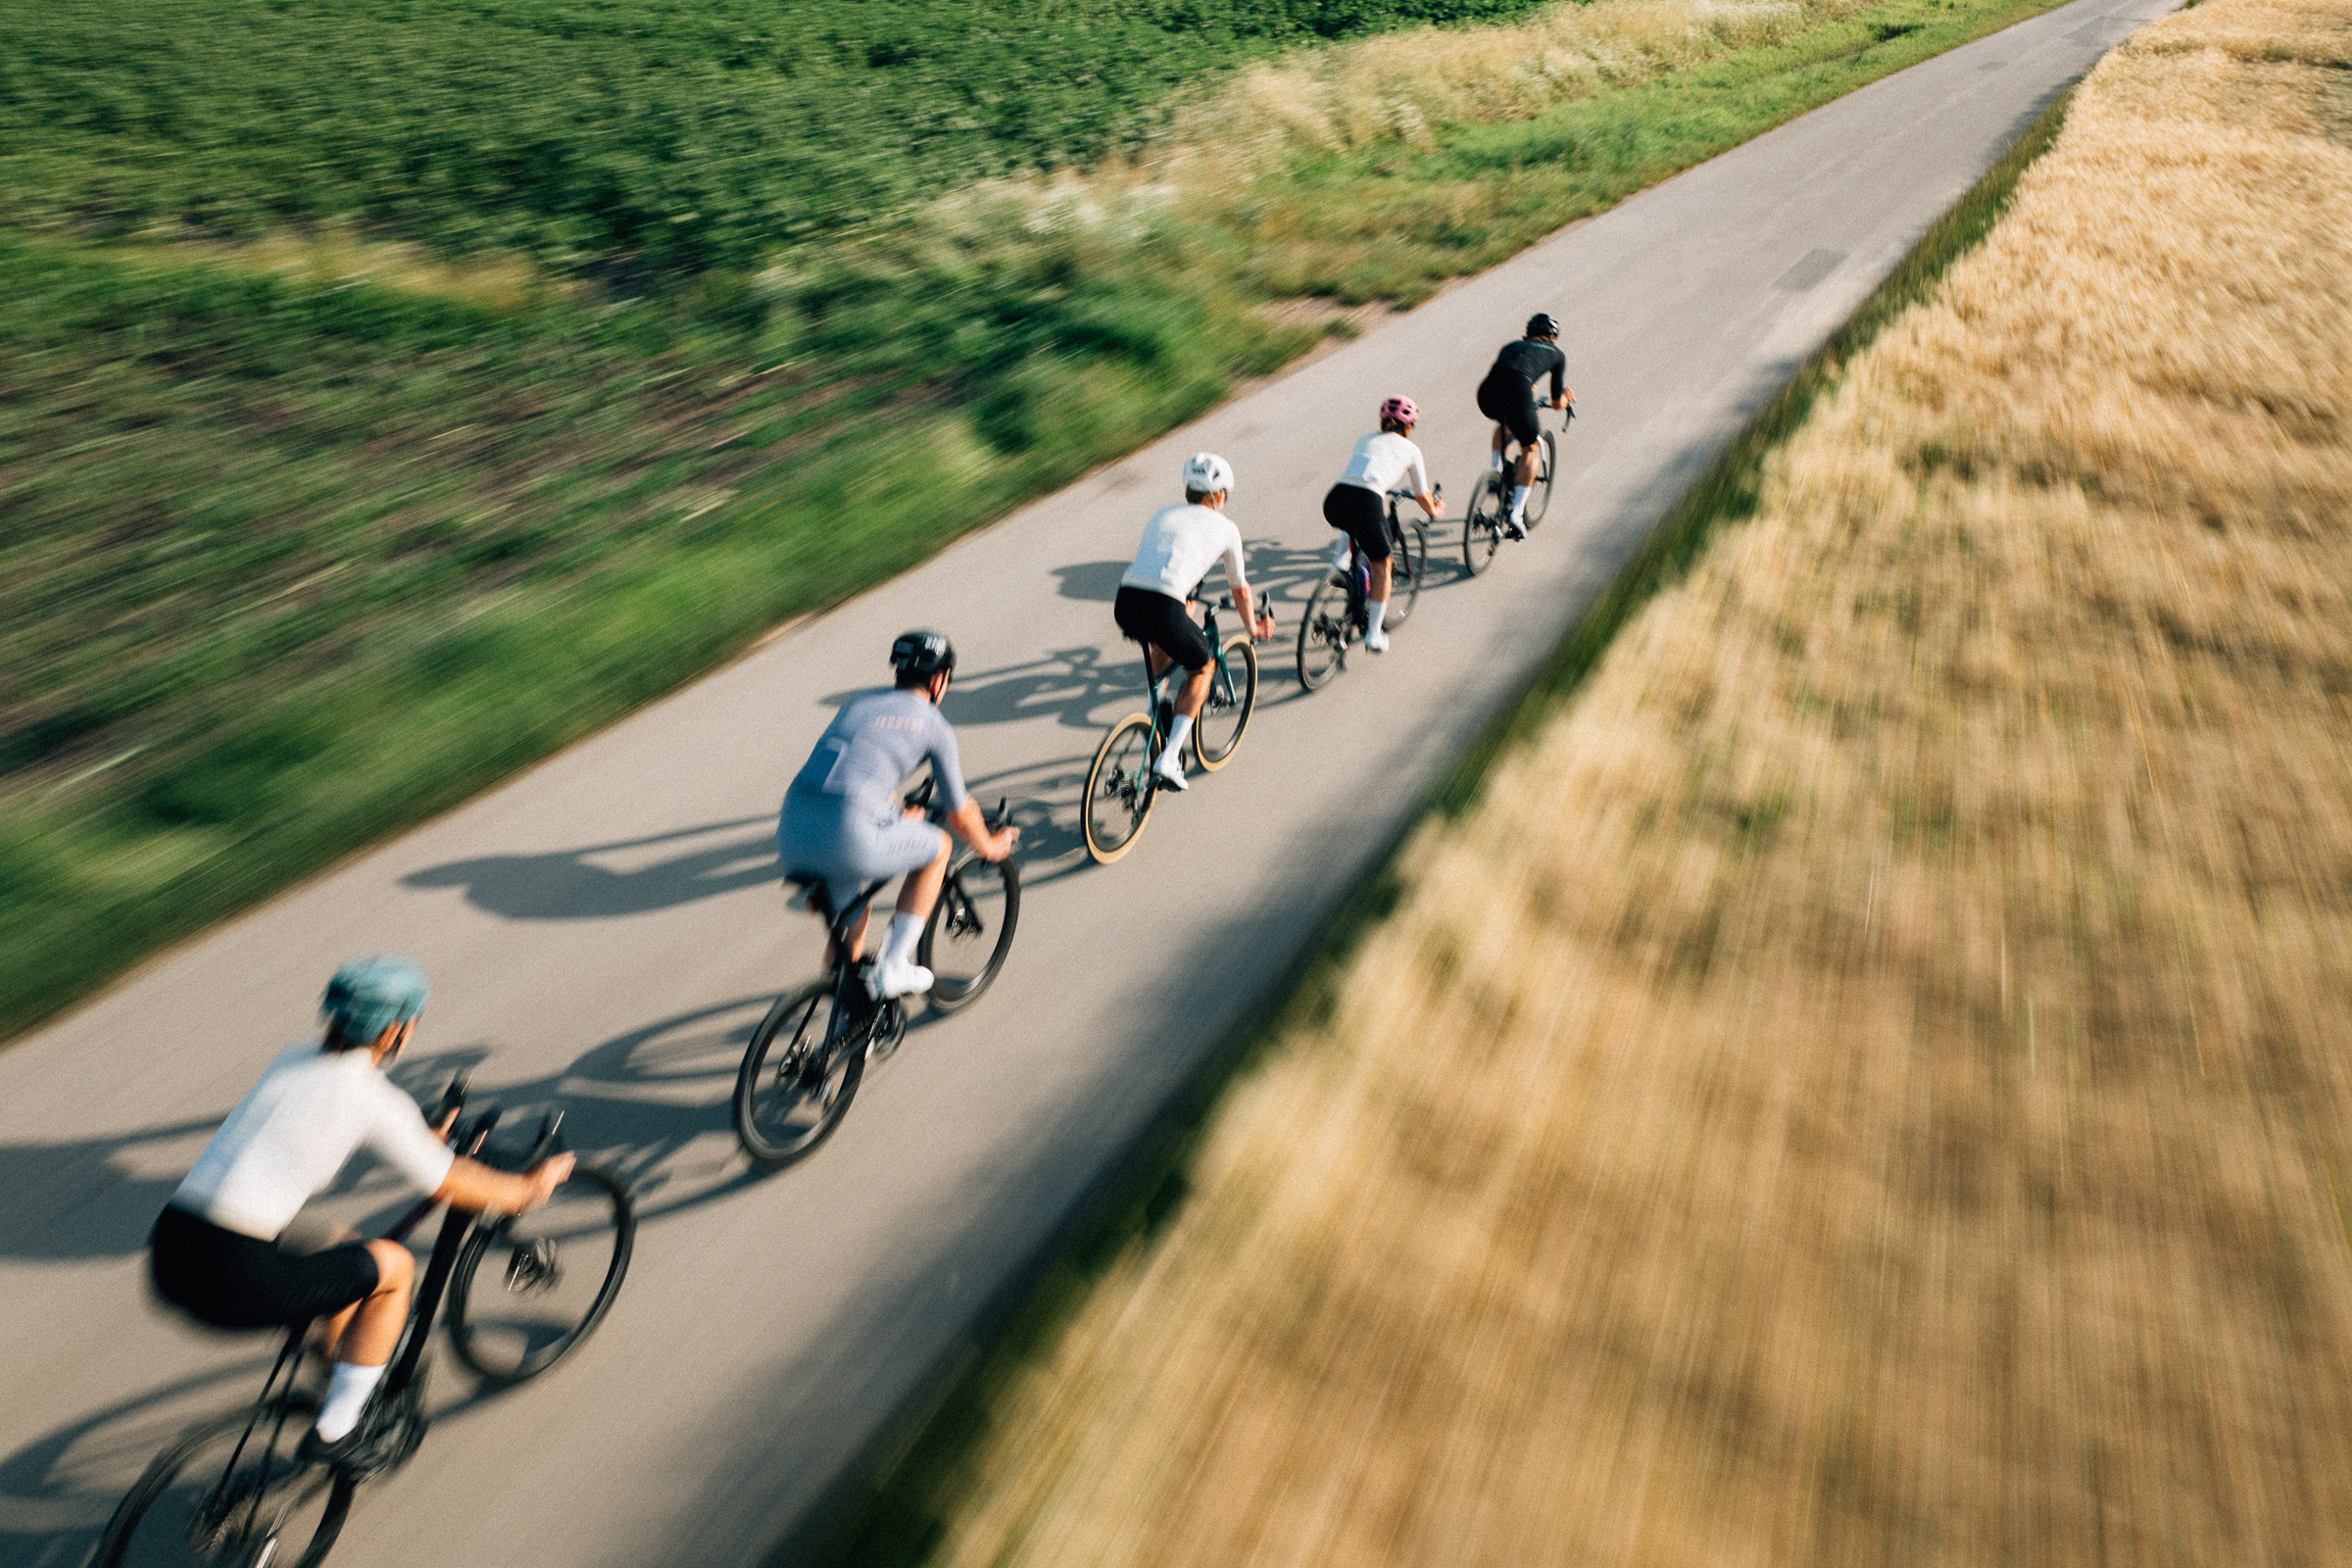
(293, 564)
(908, 1517)
(1860, 1082)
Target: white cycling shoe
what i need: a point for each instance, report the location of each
(1171, 774)
(1376, 642)
(1513, 528)
(901, 979)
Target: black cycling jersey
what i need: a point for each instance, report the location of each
(1528, 360)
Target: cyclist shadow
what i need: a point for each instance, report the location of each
(569, 885)
(58, 1490)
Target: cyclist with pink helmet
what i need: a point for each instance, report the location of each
(1356, 506)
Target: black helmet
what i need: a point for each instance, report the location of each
(922, 653)
(1540, 324)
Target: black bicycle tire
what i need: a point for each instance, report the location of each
(1099, 855)
(1538, 497)
(1330, 592)
(941, 996)
(746, 1079)
(1408, 544)
(477, 1246)
(1240, 644)
(1477, 528)
(166, 1465)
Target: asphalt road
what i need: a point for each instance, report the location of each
(604, 930)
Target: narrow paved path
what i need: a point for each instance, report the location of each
(605, 929)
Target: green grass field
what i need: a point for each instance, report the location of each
(292, 562)
(681, 135)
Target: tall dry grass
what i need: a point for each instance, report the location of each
(1870, 1084)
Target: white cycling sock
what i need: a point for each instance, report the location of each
(1495, 461)
(1339, 555)
(1177, 733)
(347, 1391)
(1518, 501)
(1373, 613)
(905, 930)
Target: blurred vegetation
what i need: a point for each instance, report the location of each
(690, 136)
(295, 558)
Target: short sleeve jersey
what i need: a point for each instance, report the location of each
(311, 1111)
(1180, 544)
(874, 742)
(1528, 360)
(1383, 458)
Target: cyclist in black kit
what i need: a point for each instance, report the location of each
(1507, 395)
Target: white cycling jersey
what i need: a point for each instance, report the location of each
(1180, 544)
(285, 1139)
(1381, 458)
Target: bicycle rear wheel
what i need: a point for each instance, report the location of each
(1482, 523)
(970, 929)
(1232, 699)
(197, 1505)
(559, 1268)
(1408, 563)
(799, 1073)
(1119, 790)
(1539, 495)
(1324, 632)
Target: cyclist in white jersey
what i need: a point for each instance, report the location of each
(1154, 605)
(214, 1253)
(1357, 506)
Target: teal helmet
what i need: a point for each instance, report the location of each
(368, 996)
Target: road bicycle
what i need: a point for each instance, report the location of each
(236, 1489)
(806, 1059)
(1336, 615)
(1487, 516)
(1124, 780)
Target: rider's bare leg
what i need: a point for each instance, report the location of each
(921, 888)
(1382, 574)
(369, 1328)
(1527, 463)
(1500, 443)
(1193, 694)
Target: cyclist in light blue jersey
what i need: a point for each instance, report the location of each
(842, 819)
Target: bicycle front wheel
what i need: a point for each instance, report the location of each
(1539, 495)
(799, 1073)
(555, 1272)
(229, 1490)
(1324, 633)
(1232, 699)
(1118, 789)
(970, 930)
(1408, 563)
(1482, 523)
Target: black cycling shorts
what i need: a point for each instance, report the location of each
(1360, 514)
(233, 1281)
(1510, 403)
(1153, 618)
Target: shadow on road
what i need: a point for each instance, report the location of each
(569, 885)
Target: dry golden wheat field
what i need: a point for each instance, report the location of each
(1867, 1084)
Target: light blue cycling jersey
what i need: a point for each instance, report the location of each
(873, 743)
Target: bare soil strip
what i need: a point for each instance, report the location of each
(1867, 1081)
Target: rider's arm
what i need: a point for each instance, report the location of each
(1430, 507)
(398, 1132)
(972, 827)
(473, 1186)
(1560, 395)
(1243, 601)
(963, 813)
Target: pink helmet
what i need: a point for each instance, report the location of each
(1401, 410)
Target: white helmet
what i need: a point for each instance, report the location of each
(1205, 473)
